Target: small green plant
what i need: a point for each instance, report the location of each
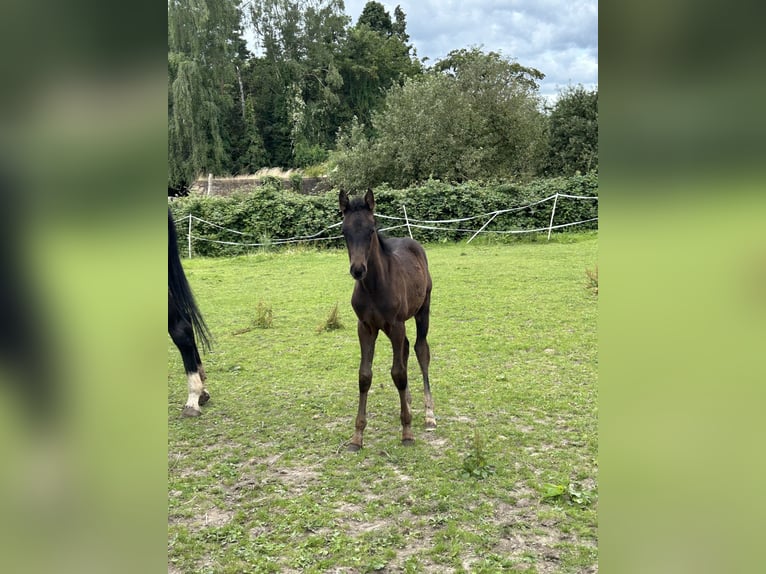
(272, 181)
(296, 180)
(572, 493)
(592, 279)
(332, 322)
(578, 495)
(475, 464)
(263, 316)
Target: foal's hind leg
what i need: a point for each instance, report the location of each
(423, 353)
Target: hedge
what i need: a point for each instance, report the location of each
(269, 212)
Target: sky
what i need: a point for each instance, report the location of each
(557, 37)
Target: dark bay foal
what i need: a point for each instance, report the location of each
(392, 285)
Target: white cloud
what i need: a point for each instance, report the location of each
(558, 37)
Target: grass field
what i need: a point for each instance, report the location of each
(506, 483)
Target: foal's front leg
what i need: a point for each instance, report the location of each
(401, 349)
(367, 337)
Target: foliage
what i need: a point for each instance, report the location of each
(573, 132)
(375, 16)
(296, 180)
(473, 116)
(296, 78)
(319, 89)
(314, 73)
(370, 62)
(306, 154)
(316, 170)
(203, 38)
(270, 211)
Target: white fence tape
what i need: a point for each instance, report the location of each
(409, 223)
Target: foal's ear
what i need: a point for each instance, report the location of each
(369, 199)
(343, 200)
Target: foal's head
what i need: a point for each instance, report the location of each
(358, 230)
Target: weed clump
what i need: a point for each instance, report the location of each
(592, 280)
(332, 323)
(475, 464)
(264, 317)
(572, 493)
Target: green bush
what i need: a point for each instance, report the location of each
(273, 212)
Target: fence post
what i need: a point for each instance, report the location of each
(189, 236)
(482, 228)
(209, 184)
(553, 212)
(407, 221)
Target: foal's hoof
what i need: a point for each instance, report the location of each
(204, 397)
(190, 412)
(353, 447)
(408, 441)
(430, 424)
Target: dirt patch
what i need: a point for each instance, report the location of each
(295, 479)
(460, 419)
(435, 441)
(211, 518)
(216, 517)
(525, 537)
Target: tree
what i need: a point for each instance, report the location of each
(295, 79)
(375, 16)
(573, 132)
(202, 41)
(507, 95)
(370, 63)
(400, 25)
(244, 143)
(472, 116)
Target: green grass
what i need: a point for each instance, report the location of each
(262, 483)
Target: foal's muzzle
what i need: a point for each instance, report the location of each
(358, 271)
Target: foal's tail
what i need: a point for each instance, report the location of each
(180, 291)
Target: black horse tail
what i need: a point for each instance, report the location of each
(180, 291)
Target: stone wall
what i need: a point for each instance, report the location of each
(229, 185)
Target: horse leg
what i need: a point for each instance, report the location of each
(205, 396)
(367, 338)
(182, 333)
(401, 348)
(423, 352)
